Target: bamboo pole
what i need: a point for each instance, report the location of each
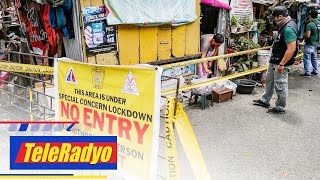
(232, 76)
(196, 61)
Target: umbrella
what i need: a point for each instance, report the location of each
(217, 4)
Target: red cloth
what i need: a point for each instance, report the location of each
(51, 33)
(32, 31)
(3, 76)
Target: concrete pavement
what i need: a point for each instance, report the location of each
(241, 141)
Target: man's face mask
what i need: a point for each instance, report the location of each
(277, 20)
(274, 26)
(215, 45)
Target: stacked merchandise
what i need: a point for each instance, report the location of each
(39, 25)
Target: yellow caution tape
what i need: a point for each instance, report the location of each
(232, 76)
(36, 69)
(196, 61)
(171, 147)
(190, 145)
(26, 68)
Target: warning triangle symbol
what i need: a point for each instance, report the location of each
(71, 78)
(130, 85)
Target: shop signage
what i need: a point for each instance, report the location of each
(99, 36)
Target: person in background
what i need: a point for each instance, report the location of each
(319, 21)
(209, 47)
(284, 50)
(311, 46)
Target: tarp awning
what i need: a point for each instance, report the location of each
(151, 12)
(263, 1)
(217, 4)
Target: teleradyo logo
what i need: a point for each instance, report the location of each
(63, 152)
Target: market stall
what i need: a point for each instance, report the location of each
(104, 32)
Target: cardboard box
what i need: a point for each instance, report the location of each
(39, 85)
(222, 96)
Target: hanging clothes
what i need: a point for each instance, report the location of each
(30, 16)
(60, 18)
(51, 33)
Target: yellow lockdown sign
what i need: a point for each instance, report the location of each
(114, 100)
(26, 68)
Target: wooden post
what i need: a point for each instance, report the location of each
(59, 51)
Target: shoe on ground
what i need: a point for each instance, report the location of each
(259, 102)
(276, 111)
(313, 73)
(305, 75)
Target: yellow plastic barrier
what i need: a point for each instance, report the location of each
(26, 68)
(36, 69)
(196, 61)
(217, 79)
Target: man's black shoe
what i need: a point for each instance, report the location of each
(260, 103)
(276, 111)
(314, 73)
(305, 75)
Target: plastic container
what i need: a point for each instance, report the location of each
(245, 86)
(263, 57)
(231, 85)
(263, 60)
(218, 86)
(2, 55)
(202, 89)
(255, 26)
